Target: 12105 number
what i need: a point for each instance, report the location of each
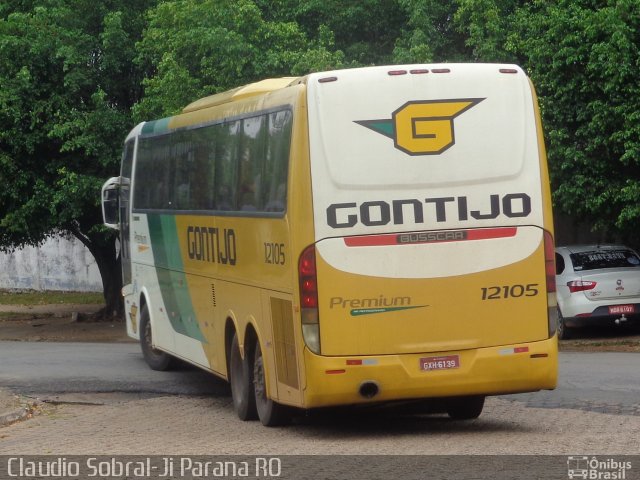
(510, 291)
(274, 253)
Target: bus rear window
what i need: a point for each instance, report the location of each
(598, 259)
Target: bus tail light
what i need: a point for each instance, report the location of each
(550, 274)
(307, 276)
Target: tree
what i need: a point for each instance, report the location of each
(583, 57)
(76, 76)
(590, 84)
(364, 30)
(66, 90)
(196, 48)
(430, 35)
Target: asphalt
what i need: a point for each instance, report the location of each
(14, 407)
(59, 323)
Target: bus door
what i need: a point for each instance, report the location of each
(124, 202)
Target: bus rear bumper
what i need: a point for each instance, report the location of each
(523, 367)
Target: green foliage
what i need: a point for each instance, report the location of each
(67, 87)
(364, 30)
(487, 27)
(585, 61)
(67, 83)
(583, 58)
(429, 34)
(76, 76)
(196, 48)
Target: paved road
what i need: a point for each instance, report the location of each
(190, 413)
(599, 382)
(45, 369)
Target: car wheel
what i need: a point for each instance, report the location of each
(156, 359)
(563, 332)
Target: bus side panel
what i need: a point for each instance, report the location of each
(158, 276)
(208, 268)
(284, 354)
(213, 269)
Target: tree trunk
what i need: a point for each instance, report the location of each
(109, 266)
(103, 249)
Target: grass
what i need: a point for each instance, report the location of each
(49, 298)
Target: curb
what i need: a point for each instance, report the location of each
(13, 417)
(18, 415)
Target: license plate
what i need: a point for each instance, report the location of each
(617, 309)
(428, 364)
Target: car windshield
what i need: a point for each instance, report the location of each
(597, 259)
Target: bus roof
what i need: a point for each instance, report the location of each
(257, 88)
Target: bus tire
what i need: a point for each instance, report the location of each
(241, 381)
(271, 414)
(156, 359)
(465, 408)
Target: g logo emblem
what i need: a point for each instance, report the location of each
(422, 127)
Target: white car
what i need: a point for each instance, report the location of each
(596, 284)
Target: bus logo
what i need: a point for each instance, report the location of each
(422, 127)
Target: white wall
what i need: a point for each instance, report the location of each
(61, 263)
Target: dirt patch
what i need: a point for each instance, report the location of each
(59, 323)
(603, 339)
(629, 343)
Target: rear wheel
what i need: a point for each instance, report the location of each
(241, 380)
(465, 408)
(156, 359)
(563, 332)
(271, 414)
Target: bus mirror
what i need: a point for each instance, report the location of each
(110, 203)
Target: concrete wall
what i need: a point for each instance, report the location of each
(61, 263)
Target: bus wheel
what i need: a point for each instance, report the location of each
(465, 408)
(241, 379)
(156, 359)
(271, 414)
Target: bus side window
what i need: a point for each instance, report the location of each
(277, 203)
(226, 167)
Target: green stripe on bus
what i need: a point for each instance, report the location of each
(157, 126)
(171, 277)
(369, 311)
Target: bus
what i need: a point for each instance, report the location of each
(350, 237)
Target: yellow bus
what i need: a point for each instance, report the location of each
(349, 237)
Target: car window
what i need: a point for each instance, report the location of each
(597, 259)
(559, 264)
